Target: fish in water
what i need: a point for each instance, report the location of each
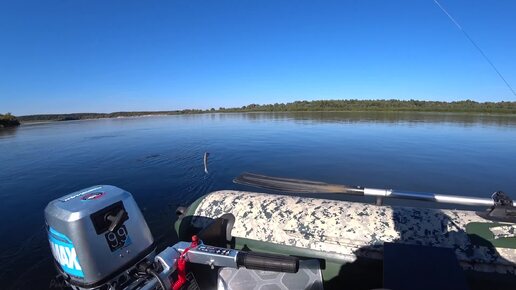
(206, 154)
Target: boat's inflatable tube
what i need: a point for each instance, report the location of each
(352, 230)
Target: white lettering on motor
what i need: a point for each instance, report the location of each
(65, 256)
(80, 193)
(72, 259)
(55, 251)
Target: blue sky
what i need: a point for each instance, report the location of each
(103, 56)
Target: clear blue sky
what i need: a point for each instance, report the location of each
(103, 56)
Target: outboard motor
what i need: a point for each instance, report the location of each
(98, 236)
(100, 241)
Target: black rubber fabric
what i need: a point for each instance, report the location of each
(268, 262)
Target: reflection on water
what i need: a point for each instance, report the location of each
(160, 160)
(379, 117)
(5, 132)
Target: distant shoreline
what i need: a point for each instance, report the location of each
(384, 106)
(28, 123)
(36, 122)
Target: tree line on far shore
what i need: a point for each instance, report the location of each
(466, 106)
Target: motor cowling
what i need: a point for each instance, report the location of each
(97, 235)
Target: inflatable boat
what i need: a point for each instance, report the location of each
(350, 237)
(251, 240)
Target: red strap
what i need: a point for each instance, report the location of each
(181, 265)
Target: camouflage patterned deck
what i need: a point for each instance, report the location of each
(354, 229)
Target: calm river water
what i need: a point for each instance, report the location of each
(160, 161)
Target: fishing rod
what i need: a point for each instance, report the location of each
(484, 55)
(308, 186)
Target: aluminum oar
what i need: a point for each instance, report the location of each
(308, 186)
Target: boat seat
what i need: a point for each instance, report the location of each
(408, 267)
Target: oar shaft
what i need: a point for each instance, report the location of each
(425, 196)
(308, 186)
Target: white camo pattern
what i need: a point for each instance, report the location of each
(352, 229)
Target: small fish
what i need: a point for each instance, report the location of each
(206, 154)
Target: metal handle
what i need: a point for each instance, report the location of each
(268, 262)
(116, 221)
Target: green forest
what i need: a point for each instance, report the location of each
(466, 106)
(8, 120)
